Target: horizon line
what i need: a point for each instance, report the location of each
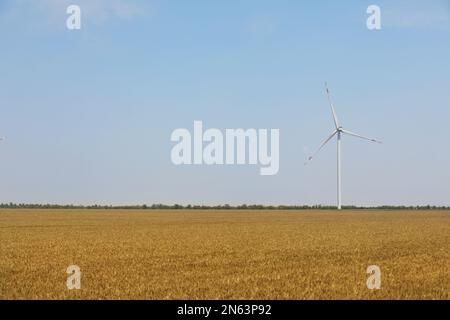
(159, 206)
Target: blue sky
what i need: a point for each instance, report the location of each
(88, 114)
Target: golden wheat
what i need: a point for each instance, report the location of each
(137, 254)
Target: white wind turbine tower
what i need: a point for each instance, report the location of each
(339, 132)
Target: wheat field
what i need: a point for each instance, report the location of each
(182, 254)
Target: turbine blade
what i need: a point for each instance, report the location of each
(336, 122)
(321, 146)
(359, 136)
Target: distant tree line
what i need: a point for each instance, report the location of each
(218, 207)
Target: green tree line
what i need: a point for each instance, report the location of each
(217, 207)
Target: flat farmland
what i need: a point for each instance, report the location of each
(184, 254)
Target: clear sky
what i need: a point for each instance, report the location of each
(88, 114)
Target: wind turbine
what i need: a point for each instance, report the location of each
(339, 132)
